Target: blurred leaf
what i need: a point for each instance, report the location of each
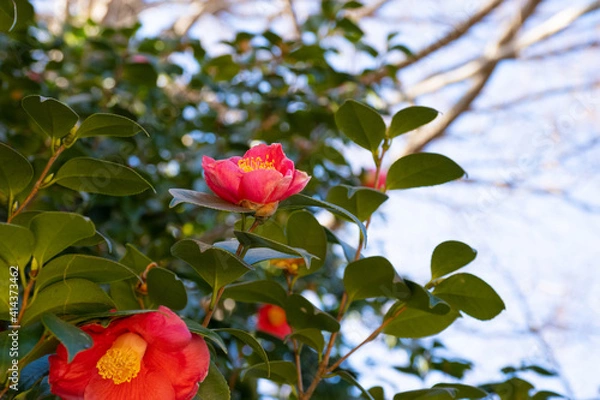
(8, 15)
(165, 288)
(15, 171)
(73, 338)
(95, 269)
(362, 124)
(450, 256)
(259, 291)
(140, 74)
(372, 277)
(422, 169)
(54, 118)
(470, 294)
(411, 118)
(71, 296)
(545, 394)
(360, 201)
(377, 393)
(16, 245)
(91, 175)
(351, 31)
(250, 340)
(427, 394)
(311, 337)
(347, 376)
(280, 372)
(302, 314)
(109, 125)
(463, 391)
(214, 386)
(205, 200)
(305, 232)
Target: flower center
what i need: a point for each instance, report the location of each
(276, 316)
(122, 361)
(254, 163)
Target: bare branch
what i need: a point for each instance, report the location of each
(289, 9)
(366, 11)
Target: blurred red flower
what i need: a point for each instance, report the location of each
(272, 320)
(259, 180)
(149, 356)
(368, 179)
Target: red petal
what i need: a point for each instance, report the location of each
(183, 368)
(163, 328)
(146, 386)
(259, 185)
(223, 177)
(265, 325)
(299, 182)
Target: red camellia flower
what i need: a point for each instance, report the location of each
(150, 356)
(369, 179)
(272, 320)
(259, 180)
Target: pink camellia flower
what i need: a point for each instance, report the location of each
(259, 180)
(150, 356)
(272, 320)
(369, 179)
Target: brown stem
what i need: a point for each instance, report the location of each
(38, 184)
(298, 367)
(26, 294)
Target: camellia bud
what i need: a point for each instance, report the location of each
(47, 181)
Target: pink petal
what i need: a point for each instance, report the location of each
(148, 385)
(299, 182)
(273, 153)
(259, 185)
(223, 177)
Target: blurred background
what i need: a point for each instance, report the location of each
(517, 83)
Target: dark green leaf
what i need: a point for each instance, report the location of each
(463, 391)
(253, 240)
(372, 277)
(311, 337)
(262, 291)
(415, 323)
(362, 202)
(55, 231)
(195, 327)
(470, 294)
(214, 386)
(16, 245)
(450, 256)
(427, 394)
(73, 338)
(95, 269)
(348, 377)
(15, 171)
(135, 259)
(250, 340)
(123, 294)
(256, 255)
(302, 314)
(411, 118)
(165, 288)
(422, 169)
(54, 118)
(8, 15)
(349, 251)
(423, 300)
(545, 395)
(281, 372)
(362, 124)
(377, 393)
(109, 125)
(91, 175)
(71, 296)
(205, 200)
(216, 266)
(305, 232)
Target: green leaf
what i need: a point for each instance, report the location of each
(216, 266)
(195, 327)
(123, 294)
(280, 372)
(269, 292)
(109, 125)
(135, 259)
(214, 386)
(415, 323)
(411, 118)
(8, 15)
(73, 338)
(311, 337)
(95, 269)
(15, 171)
(302, 201)
(250, 340)
(29, 337)
(253, 240)
(305, 232)
(91, 175)
(348, 377)
(165, 288)
(450, 256)
(470, 294)
(55, 231)
(362, 124)
(372, 277)
(545, 395)
(362, 202)
(71, 296)
(427, 394)
(463, 391)
(422, 169)
(349, 251)
(253, 256)
(16, 245)
(54, 118)
(423, 300)
(302, 314)
(205, 200)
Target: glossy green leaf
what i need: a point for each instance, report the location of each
(135, 259)
(348, 377)
(422, 169)
(205, 200)
(450, 256)
(8, 15)
(55, 231)
(15, 171)
(214, 386)
(423, 300)
(253, 240)
(54, 118)
(123, 294)
(269, 292)
(302, 314)
(95, 240)
(349, 251)
(411, 118)
(415, 323)
(29, 337)
(427, 394)
(16, 245)
(91, 175)
(311, 337)
(280, 372)
(470, 294)
(305, 232)
(71, 296)
(73, 338)
(372, 277)
(95, 269)
(216, 266)
(250, 340)
(109, 125)
(360, 201)
(463, 391)
(362, 124)
(256, 255)
(195, 327)
(165, 288)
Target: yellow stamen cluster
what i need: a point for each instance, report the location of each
(122, 361)
(254, 163)
(290, 265)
